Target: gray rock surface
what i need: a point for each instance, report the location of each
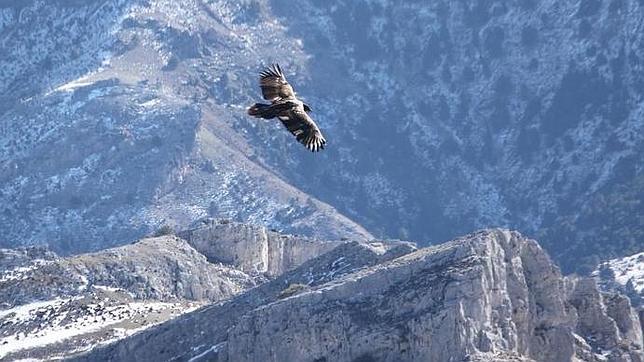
(606, 321)
(55, 307)
(253, 249)
(193, 334)
(490, 296)
(163, 268)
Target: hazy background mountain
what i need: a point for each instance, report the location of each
(442, 117)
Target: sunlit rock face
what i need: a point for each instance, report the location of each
(253, 249)
(490, 296)
(53, 307)
(624, 276)
(441, 117)
(227, 291)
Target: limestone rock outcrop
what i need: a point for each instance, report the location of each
(251, 248)
(490, 296)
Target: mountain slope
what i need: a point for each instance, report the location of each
(117, 135)
(58, 306)
(122, 116)
(624, 276)
(524, 114)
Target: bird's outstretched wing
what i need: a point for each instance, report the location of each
(304, 129)
(274, 85)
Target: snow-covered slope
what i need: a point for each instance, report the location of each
(63, 326)
(58, 306)
(627, 270)
(626, 276)
(120, 116)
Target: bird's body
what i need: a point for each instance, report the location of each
(287, 108)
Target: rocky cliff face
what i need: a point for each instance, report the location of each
(53, 307)
(253, 249)
(489, 296)
(606, 321)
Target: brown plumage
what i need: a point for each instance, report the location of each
(293, 113)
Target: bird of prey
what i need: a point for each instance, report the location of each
(293, 113)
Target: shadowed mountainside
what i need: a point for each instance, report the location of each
(120, 116)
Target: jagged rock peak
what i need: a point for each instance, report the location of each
(490, 296)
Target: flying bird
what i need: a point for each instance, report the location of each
(293, 113)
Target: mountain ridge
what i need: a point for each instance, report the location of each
(225, 289)
(355, 313)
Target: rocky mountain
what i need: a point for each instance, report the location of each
(57, 306)
(161, 268)
(54, 307)
(230, 291)
(489, 296)
(120, 116)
